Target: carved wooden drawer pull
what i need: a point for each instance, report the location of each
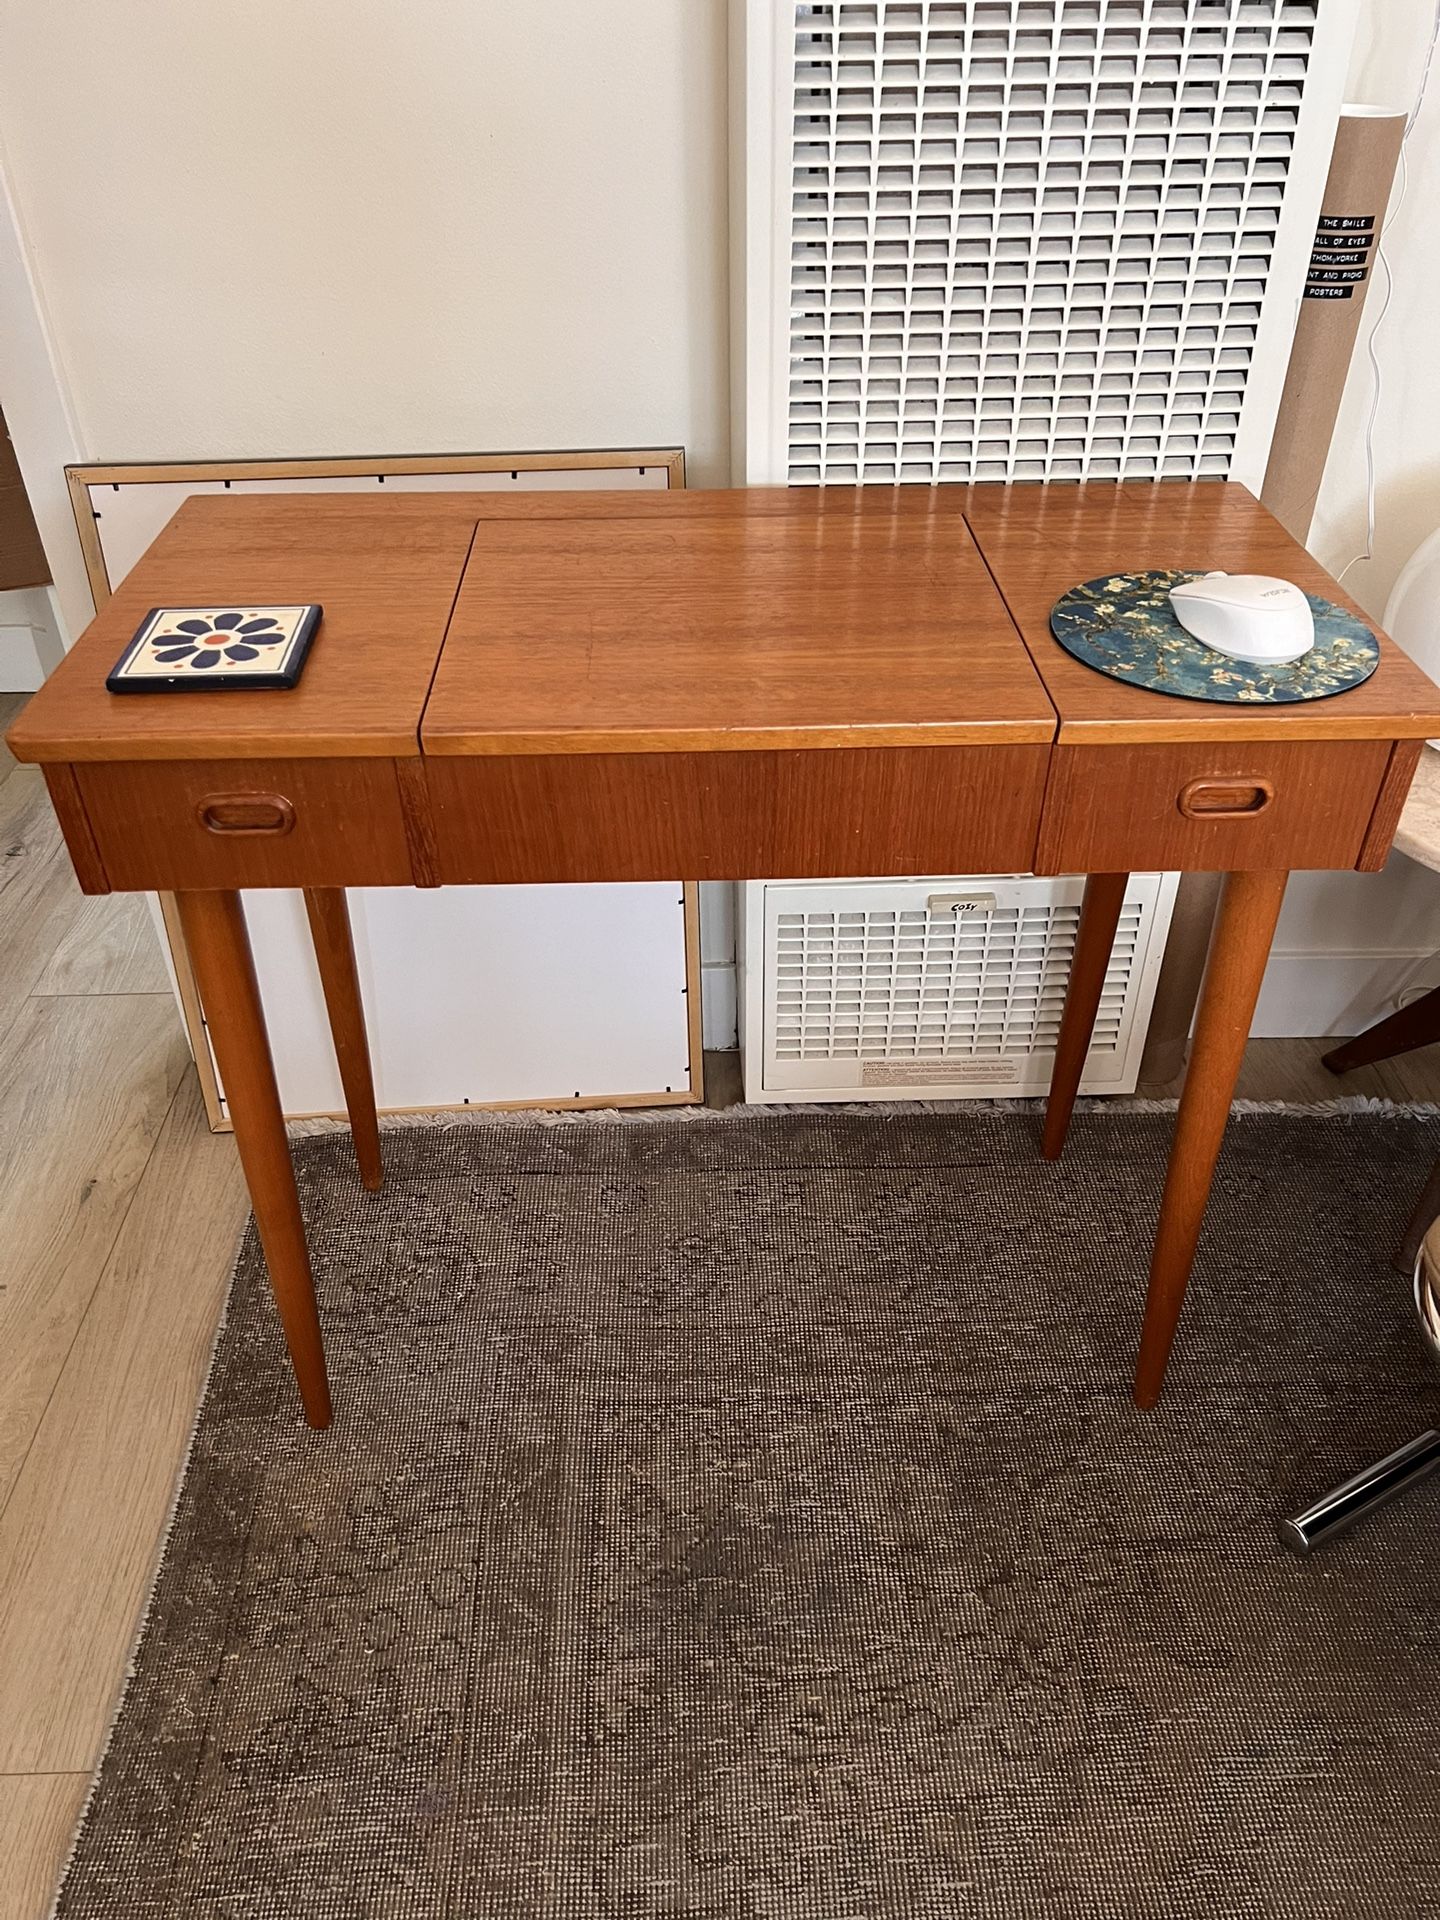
(251, 813)
(1225, 799)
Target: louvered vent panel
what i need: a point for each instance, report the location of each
(1030, 238)
(866, 986)
(917, 985)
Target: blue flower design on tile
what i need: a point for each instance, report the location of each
(200, 644)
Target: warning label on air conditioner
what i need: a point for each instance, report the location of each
(936, 1073)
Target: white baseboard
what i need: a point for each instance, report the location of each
(31, 638)
(719, 1021)
(20, 669)
(1337, 993)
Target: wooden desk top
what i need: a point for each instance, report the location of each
(385, 571)
(744, 619)
(1039, 541)
(642, 622)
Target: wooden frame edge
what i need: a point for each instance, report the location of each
(587, 1103)
(193, 1015)
(86, 474)
(82, 475)
(690, 902)
(90, 549)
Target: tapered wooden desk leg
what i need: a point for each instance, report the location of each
(215, 934)
(1244, 929)
(335, 956)
(1094, 937)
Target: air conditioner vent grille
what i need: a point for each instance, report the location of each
(856, 984)
(912, 984)
(1030, 238)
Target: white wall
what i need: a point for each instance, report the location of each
(339, 226)
(42, 431)
(1348, 944)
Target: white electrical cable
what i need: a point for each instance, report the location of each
(1414, 113)
(1375, 375)
(1384, 265)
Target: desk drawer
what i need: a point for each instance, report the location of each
(182, 824)
(804, 813)
(1292, 804)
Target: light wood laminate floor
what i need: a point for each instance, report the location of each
(119, 1217)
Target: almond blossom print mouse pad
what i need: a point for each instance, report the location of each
(191, 648)
(1123, 625)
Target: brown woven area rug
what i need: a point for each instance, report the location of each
(745, 1519)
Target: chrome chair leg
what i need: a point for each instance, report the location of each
(1352, 1500)
(1408, 1465)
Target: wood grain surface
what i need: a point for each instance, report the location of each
(1107, 805)
(219, 944)
(149, 818)
(104, 1069)
(329, 916)
(665, 621)
(730, 623)
(1094, 939)
(1244, 928)
(1390, 804)
(69, 809)
(111, 946)
(79, 1537)
(1040, 541)
(754, 624)
(12, 705)
(385, 571)
(730, 816)
(38, 1814)
(38, 893)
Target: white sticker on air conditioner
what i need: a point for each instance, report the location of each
(936, 1073)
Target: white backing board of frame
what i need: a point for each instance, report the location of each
(483, 996)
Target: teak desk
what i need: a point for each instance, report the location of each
(719, 686)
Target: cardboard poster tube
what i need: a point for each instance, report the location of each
(1352, 212)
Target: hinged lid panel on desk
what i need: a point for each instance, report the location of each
(1146, 779)
(386, 573)
(757, 683)
(733, 621)
(1039, 541)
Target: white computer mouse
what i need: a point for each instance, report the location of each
(1248, 616)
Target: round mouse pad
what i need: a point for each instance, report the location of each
(1123, 625)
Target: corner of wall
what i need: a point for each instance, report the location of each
(42, 429)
